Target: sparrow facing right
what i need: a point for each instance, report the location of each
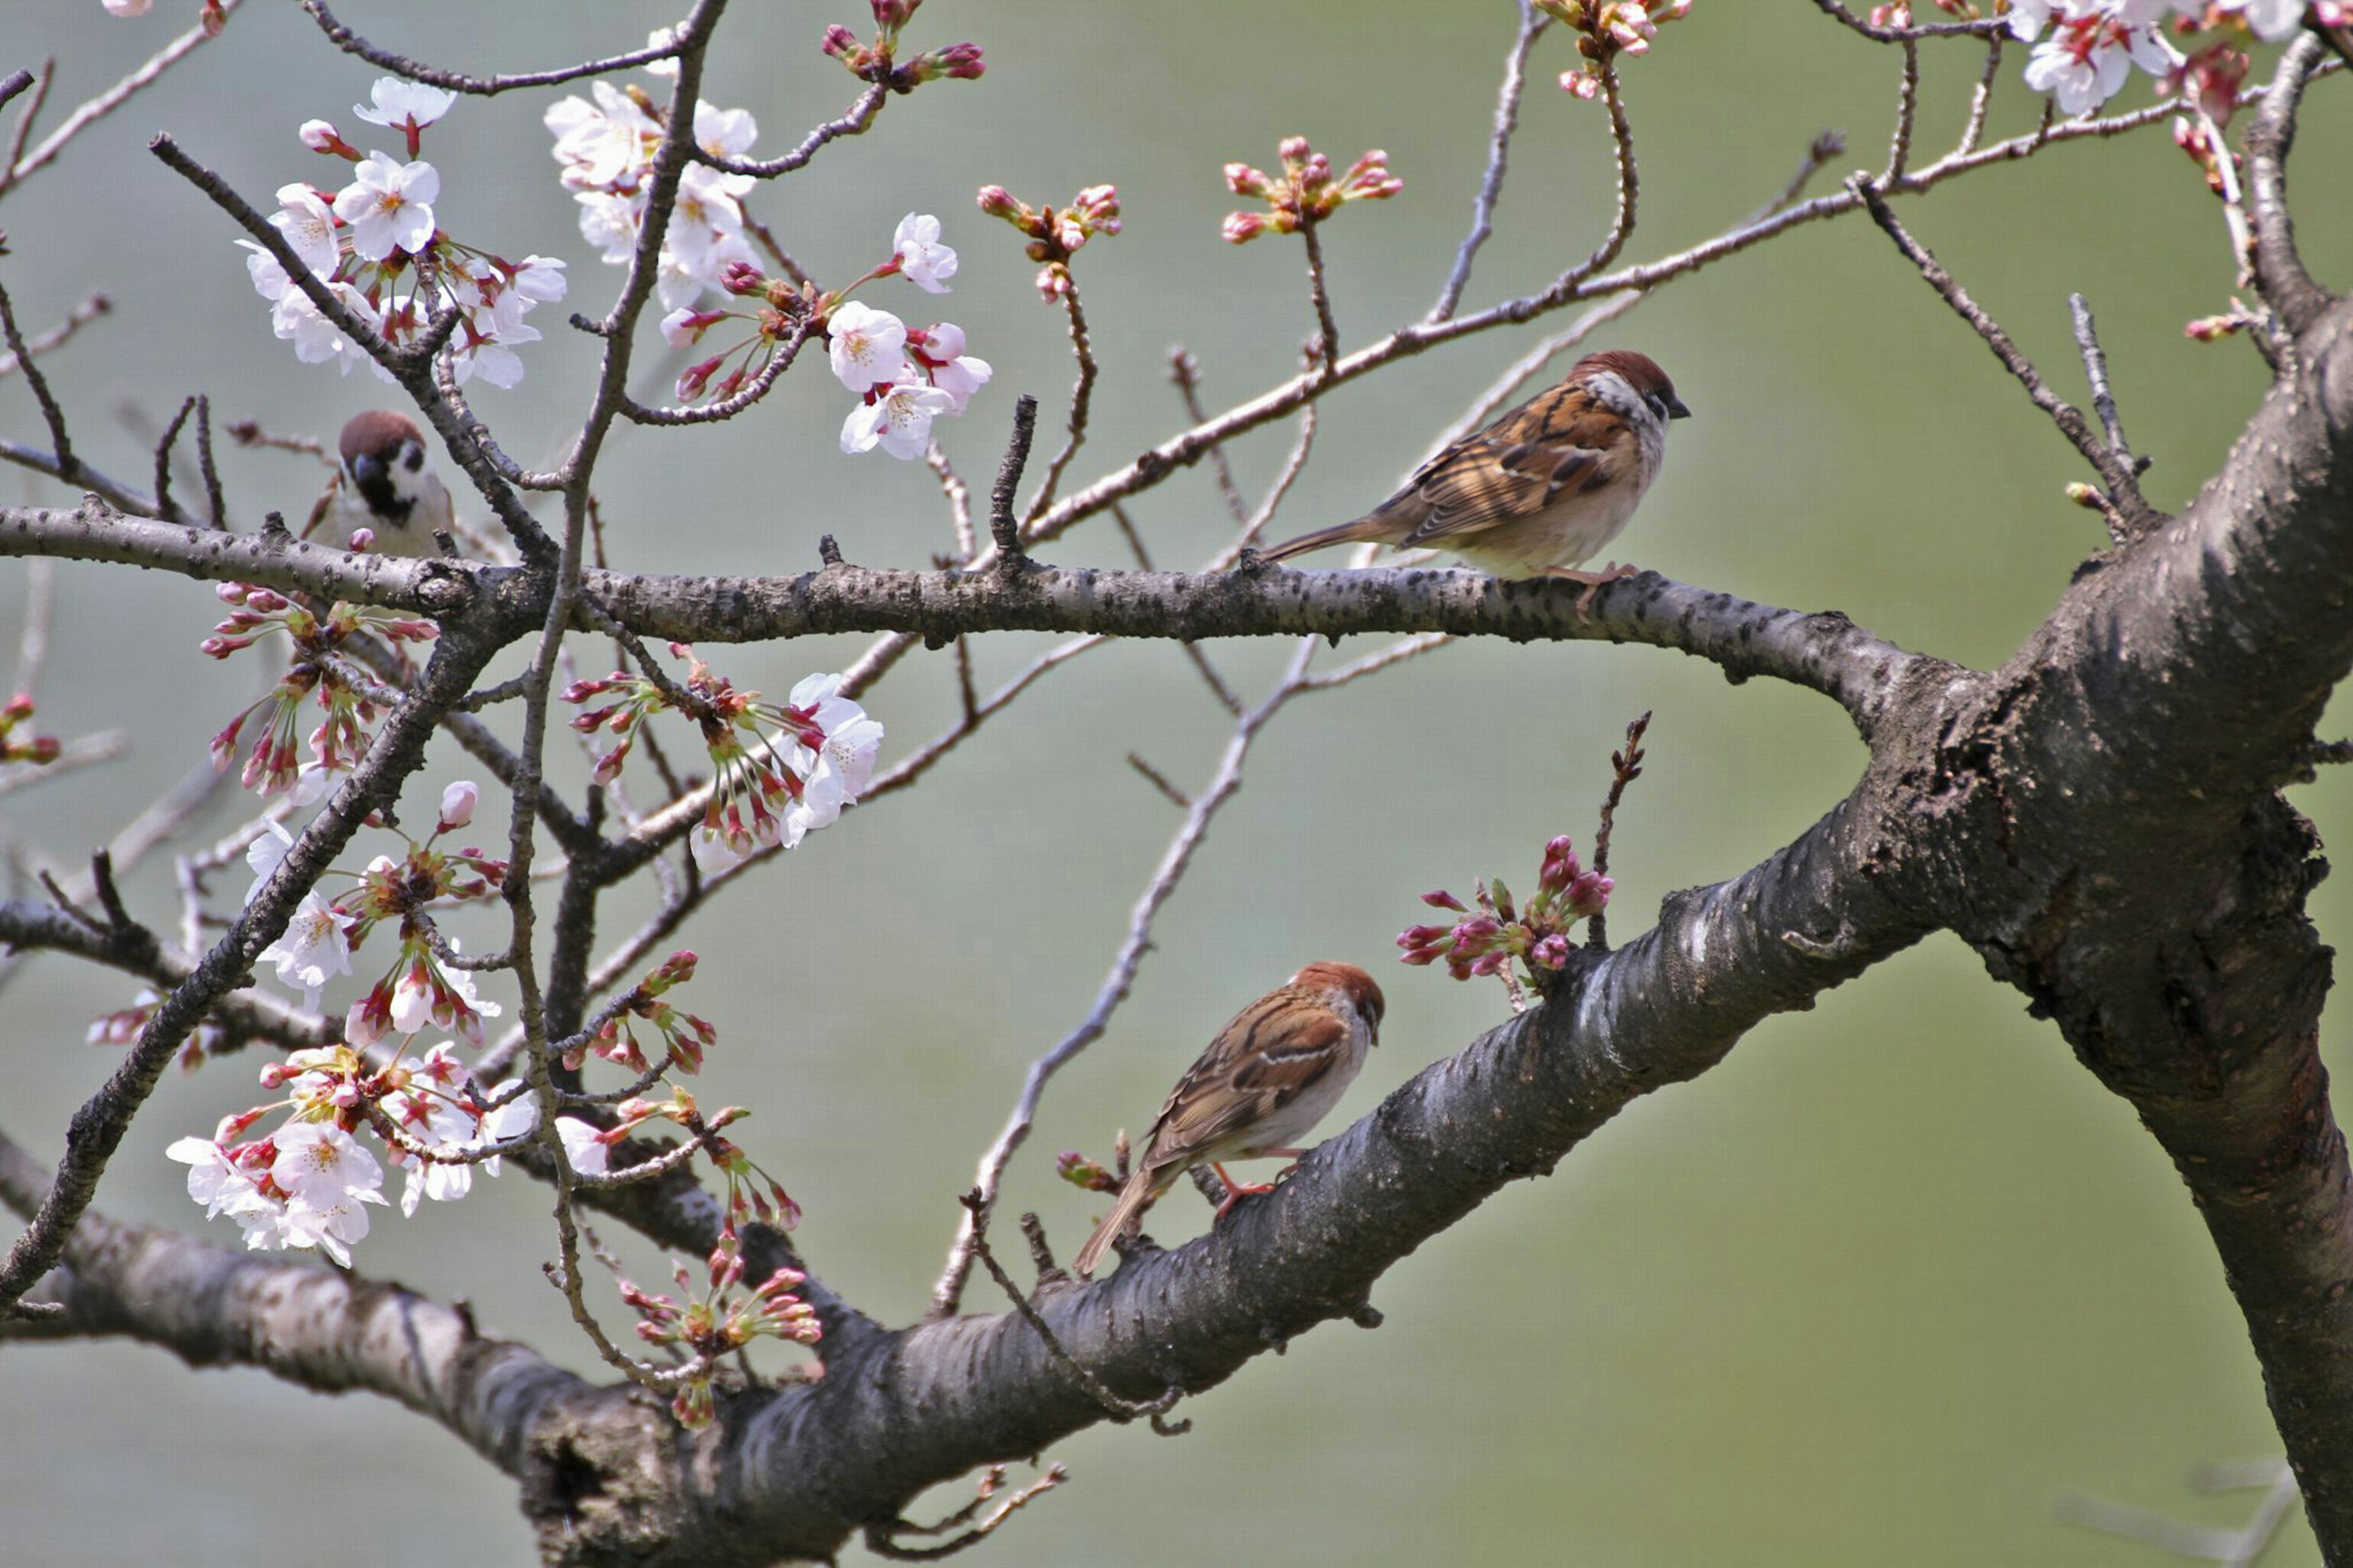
(1543, 488)
(1265, 1081)
(385, 483)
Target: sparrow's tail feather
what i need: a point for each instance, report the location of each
(1138, 1191)
(1371, 526)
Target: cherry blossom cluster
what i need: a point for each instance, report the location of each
(780, 770)
(309, 1181)
(420, 989)
(1485, 941)
(16, 747)
(317, 672)
(377, 246)
(1306, 192)
(684, 1036)
(876, 61)
(1055, 236)
(1607, 30)
(606, 148)
(2092, 45)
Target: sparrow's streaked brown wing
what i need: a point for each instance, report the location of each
(1520, 466)
(1240, 1086)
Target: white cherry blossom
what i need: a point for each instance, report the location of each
(927, 263)
(389, 205)
(867, 348)
(899, 420)
(309, 225)
(405, 105)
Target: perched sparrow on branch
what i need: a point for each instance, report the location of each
(385, 483)
(1268, 1078)
(1543, 488)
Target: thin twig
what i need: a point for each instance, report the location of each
(107, 102)
(1081, 401)
(351, 43)
(855, 119)
(165, 507)
(959, 496)
(60, 444)
(33, 640)
(1499, 141)
(1122, 1410)
(2095, 370)
(1326, 354)
(1186, 372)
(1981, 96)
(1908, 106)
(1625, 766)
(1159, 781)
(16, 84)
(879, 1536)
(2066, 416)
(80, 316)
(1825, 147)
(216, 503)
(1193, 653)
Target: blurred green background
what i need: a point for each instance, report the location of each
(1884, 1287)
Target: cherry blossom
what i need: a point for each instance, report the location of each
(866, 347)
(939, 349)
(309, 225)
(215, 1180)
(322, 1165)
(584, 1146)
(605, 144)
(898, 417)
(312, 951)
(389, 205)
(408, 107)
(927, 263)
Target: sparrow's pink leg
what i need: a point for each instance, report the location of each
(1237, 1191)
(1593, 581)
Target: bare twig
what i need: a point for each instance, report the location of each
(1981, 96)
(91, 309)
(1186, 372)
(1907, 106)
(216, 503)
(33, 640)
(60, 444)
(2122, 489)
(16, 83)
(1824, 147)
(959, 496)
(1122, 1410)
(855, 119)
(1325, 352)
(107, 102)
(1002, 528)
(2095, 370)
(1082, 401)
(1626, 767)
(1159, 781)
(351, 43)
(164, 505)
(880, 1538)
(1499, 141)
(1892, 35)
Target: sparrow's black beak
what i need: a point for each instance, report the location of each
(1675, 409)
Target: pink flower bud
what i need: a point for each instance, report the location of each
(1294, 149)
(458, 804)
(18, 707)
(841, 43)
(320, 136)
(695, 377)
(1245, 181)
(892, 14)
(1442, 899)
(1552, 952)
(997, 202)
(1240, 228)
(362, 541)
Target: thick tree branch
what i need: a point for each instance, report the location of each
(1824, 651)
(2280, 275)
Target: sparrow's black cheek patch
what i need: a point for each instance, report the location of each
(412, 456)
(374, 481)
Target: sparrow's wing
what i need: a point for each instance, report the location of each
(1559, 445)
(1248, 1075)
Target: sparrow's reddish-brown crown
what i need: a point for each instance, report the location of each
(1362, 991)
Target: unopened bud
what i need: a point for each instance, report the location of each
(458, 804)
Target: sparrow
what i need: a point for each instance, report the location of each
(1543, 488)
(385, 483)
(1268, 1078)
